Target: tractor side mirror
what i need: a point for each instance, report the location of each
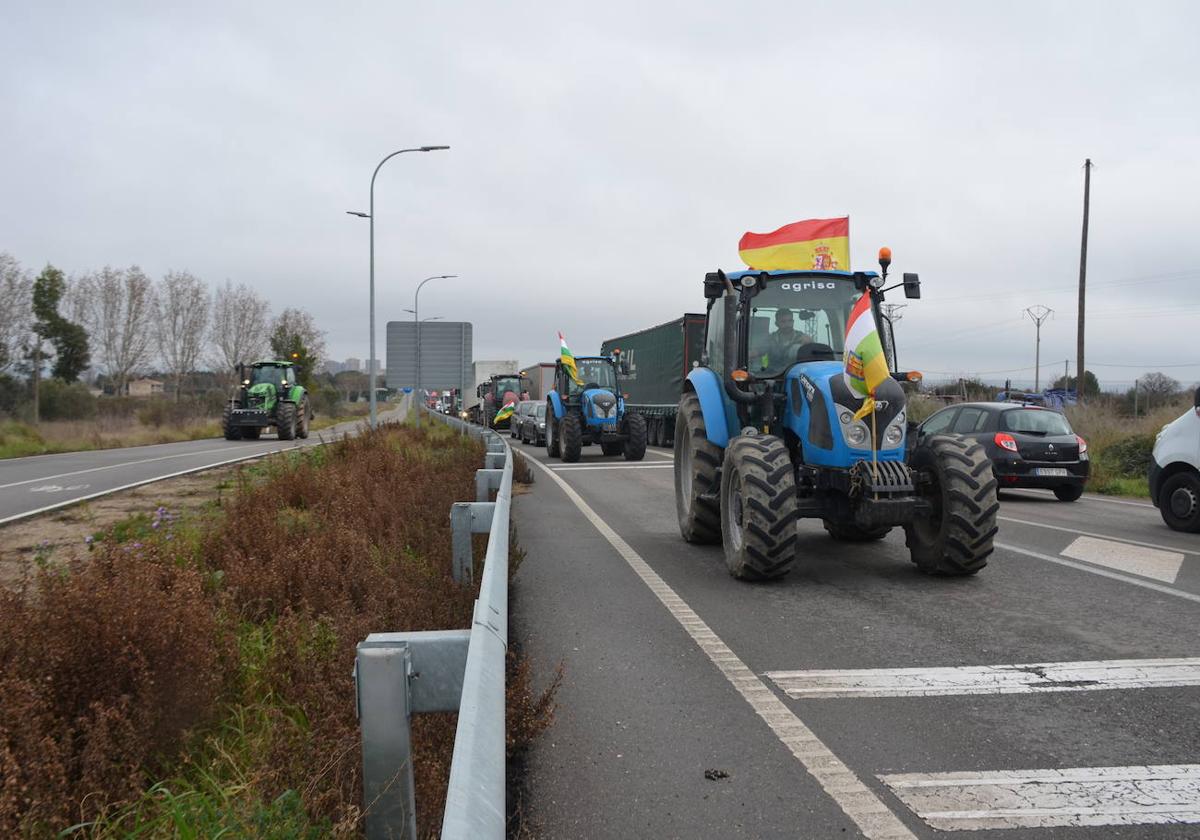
(714, 284)
(912, 286)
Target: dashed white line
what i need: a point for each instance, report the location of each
(572, 467)
(873, 818)
(1135, 559)
(1102, 572)
(1032, 678)
(1093, 534)
(1077, 796)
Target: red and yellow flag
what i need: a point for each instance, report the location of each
(815, 244)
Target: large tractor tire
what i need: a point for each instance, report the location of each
(302, 420)
(285, 420)
(759, 509)
(852, 533)
(635, 444)
(956, 538)
(615, 447)
(553, 446)
(697, 460)
(230, 431)
(251, 432)
(570, 431)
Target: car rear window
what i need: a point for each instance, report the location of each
(1035, 421)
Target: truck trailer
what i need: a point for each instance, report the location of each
(658, 360)
(541, 380)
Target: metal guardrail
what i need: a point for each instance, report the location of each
(401, 674)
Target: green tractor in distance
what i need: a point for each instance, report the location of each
(269, 394)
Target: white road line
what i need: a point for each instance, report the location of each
(1087, 497)
(1078, 796)
(1096, 570)
(571, 467)
(1099, 536)
(1135, 559)
(198, 454)
(1033, 678)
(873, 818)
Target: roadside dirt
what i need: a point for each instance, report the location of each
(62, 534)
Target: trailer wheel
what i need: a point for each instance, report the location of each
(231, 431)
(956, 537)
(758, 508)
(571, 432)
(696, 463)
(635, 444)
(852, 533)
(285, 420)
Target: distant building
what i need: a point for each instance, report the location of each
(352, 364)
(378, 367)
(333, 368)
(144, 388)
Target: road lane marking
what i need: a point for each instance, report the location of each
(1033, 678)
(1097, 570)
(571, 467)
(1135, 559)
(1098, 536)
(1077, 796)
(201, 453)
(1087, 497)
(873, 818)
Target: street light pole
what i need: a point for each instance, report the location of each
(371, 216)
(416, 310)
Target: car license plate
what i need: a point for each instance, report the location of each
(1052, 471)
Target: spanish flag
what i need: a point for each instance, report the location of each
(813, 245)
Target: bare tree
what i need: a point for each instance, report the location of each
(16, 312)
(1158, 388)
(180, 323)
(118, 312)
(240, 320)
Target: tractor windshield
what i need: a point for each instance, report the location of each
(595, 373)
(508, 385)
(269, 374)
(798, 318)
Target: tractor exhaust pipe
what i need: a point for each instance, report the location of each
(731, 342)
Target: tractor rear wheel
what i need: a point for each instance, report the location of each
(957, 481)
(852, 533)
(302, 420)
(553, 447)
(570, 430)
(697, 460)
(285, 420)
(758, 508)
(635, 444)
(231, 431)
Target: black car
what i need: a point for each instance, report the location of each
(533, 425)
(1029, 446)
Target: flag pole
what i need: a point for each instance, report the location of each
(874, 448)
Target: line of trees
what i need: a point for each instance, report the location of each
(114, 325)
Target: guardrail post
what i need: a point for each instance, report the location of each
(382, 677)
(494, 460)
(485, 482)
(467, 518)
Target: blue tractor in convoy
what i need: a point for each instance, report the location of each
(766, 434)
(594, 412)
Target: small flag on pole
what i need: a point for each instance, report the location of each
(568, 359)
(811, 245)
(866, 366)
(506, 411)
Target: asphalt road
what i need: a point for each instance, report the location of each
(44, 482)
(1054, 694)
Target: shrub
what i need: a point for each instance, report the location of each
(1130, 457)
(58, 400)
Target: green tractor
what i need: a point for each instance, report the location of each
(269, 394)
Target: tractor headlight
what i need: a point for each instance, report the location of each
(856, 435)
(893, 435)
(846, 418)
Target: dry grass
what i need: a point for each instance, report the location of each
(20, 439)
(193, 678)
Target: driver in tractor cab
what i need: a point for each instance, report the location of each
(786, 339)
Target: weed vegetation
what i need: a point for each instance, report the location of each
(191, 677)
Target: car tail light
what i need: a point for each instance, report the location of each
(1082, 444)
(1006, 441)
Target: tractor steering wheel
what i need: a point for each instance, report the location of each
(813, 352)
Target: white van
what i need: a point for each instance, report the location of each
(1175, 472)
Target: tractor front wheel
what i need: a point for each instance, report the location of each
(697, 461)
(955, 477)
(231, 431)
(570, 431)
(758, 508)
(635, 444)
(285, 420)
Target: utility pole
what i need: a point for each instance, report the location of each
(1038, 314)
(1135, 400)
(1079, 360)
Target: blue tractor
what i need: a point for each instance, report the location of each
(594, 412)
(766, 434)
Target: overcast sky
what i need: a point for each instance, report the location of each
(605, 155)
